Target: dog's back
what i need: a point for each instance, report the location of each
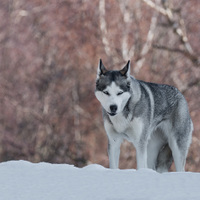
(164, 99)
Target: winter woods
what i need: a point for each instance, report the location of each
(49, 53)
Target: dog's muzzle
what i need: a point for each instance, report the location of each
(113, 109)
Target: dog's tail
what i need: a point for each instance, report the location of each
(164, 160)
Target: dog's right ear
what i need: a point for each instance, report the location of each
(101, 69)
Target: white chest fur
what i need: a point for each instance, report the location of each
(130, 130)
(120, 123)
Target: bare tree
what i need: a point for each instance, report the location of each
(49, 53)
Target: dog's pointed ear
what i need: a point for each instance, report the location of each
(126, 70)
(101, 69)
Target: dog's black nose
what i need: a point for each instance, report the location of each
(113, 108)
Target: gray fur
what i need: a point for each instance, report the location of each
(154, 117)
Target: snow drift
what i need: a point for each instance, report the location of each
(22, 180)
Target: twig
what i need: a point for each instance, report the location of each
(156, 7)
(193, 58)
(178, 27)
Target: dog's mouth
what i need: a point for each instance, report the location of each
(112, 114)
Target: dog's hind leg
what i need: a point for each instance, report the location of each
(164, 159)
(181, 135)
(178, 155)
(154, 145)
(179, 146)
(179, 143)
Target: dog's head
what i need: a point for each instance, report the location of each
(113, 88)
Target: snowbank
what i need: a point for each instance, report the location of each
(21, 180)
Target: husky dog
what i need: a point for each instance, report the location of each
(154, 117)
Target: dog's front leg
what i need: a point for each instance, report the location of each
(141, 155)
(114, 152)
(114, 142)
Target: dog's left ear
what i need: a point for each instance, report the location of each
(126, 70)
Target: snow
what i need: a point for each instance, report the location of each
(22, 180)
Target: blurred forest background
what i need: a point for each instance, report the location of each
(49, 53)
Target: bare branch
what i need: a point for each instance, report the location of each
(178, 27)
(168, 48)
(103, 27)
(126, 52)
(193, 58)
(156, 7)
(147, 45)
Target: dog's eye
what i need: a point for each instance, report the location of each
(105, 92)
(119, 93)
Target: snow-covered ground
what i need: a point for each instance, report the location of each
(21, 180)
